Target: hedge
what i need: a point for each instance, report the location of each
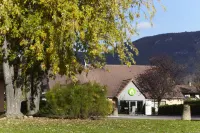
(178, 109)
(170, 110)
(190, 102)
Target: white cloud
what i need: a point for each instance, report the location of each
(144, 25)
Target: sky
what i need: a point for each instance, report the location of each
(180, 16)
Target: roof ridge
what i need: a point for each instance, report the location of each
(127, 79)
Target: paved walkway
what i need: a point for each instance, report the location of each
(151, 117)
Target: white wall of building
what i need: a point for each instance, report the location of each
(173, 101)
(138, 96)
(153, 104)
(125, 96)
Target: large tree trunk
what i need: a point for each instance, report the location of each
(33, 102)
(13, 94)
(34, 94)
(28, 95)
(159, 101)
(36, 101)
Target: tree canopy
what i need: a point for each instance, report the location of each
(53, 31)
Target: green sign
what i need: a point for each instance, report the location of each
(131, 91)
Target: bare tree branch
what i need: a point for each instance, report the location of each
(159, 81)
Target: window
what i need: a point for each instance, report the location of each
(163, 103)
(187, 96)
(197, 96)
(192, 95)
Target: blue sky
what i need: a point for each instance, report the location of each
(180, 16)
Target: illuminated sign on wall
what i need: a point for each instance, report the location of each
(131, 91)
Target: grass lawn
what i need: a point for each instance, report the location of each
(42, 125)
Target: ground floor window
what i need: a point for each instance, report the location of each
(163, 103)
(128, 107)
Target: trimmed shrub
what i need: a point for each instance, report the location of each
(178, 109)
(77, 101)
(195, 109)
(170, 110)
(192, 102)
(194, 105)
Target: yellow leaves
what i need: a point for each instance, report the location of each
(3, 31)
(39, 56)
(23, 42)
(88, 9)
(105, 48)
(128, 64)
(36, 49)
(50, 49)
(131, 16)
(94, 52)
(82, 35)
(32, 47)
(43, 35)
(74, 61)
(43, 66)
(58, 26)
(56, 69)
(43, 1)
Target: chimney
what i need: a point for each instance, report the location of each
(190, 83)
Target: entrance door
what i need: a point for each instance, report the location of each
(139, 106)
(132, 107)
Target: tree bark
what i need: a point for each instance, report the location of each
(28, 95)
(36, 101)
(159, 101)
(34, 94)
(33, 102)
(13, 94)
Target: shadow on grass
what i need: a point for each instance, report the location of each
(2, 114)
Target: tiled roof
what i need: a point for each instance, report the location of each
(113, 76)
(187, 89)
(116, 77)
(124, 83)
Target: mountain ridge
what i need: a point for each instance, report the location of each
(183, 47)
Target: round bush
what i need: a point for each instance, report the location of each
(78, 101)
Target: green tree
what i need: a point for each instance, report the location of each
(51, 33)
